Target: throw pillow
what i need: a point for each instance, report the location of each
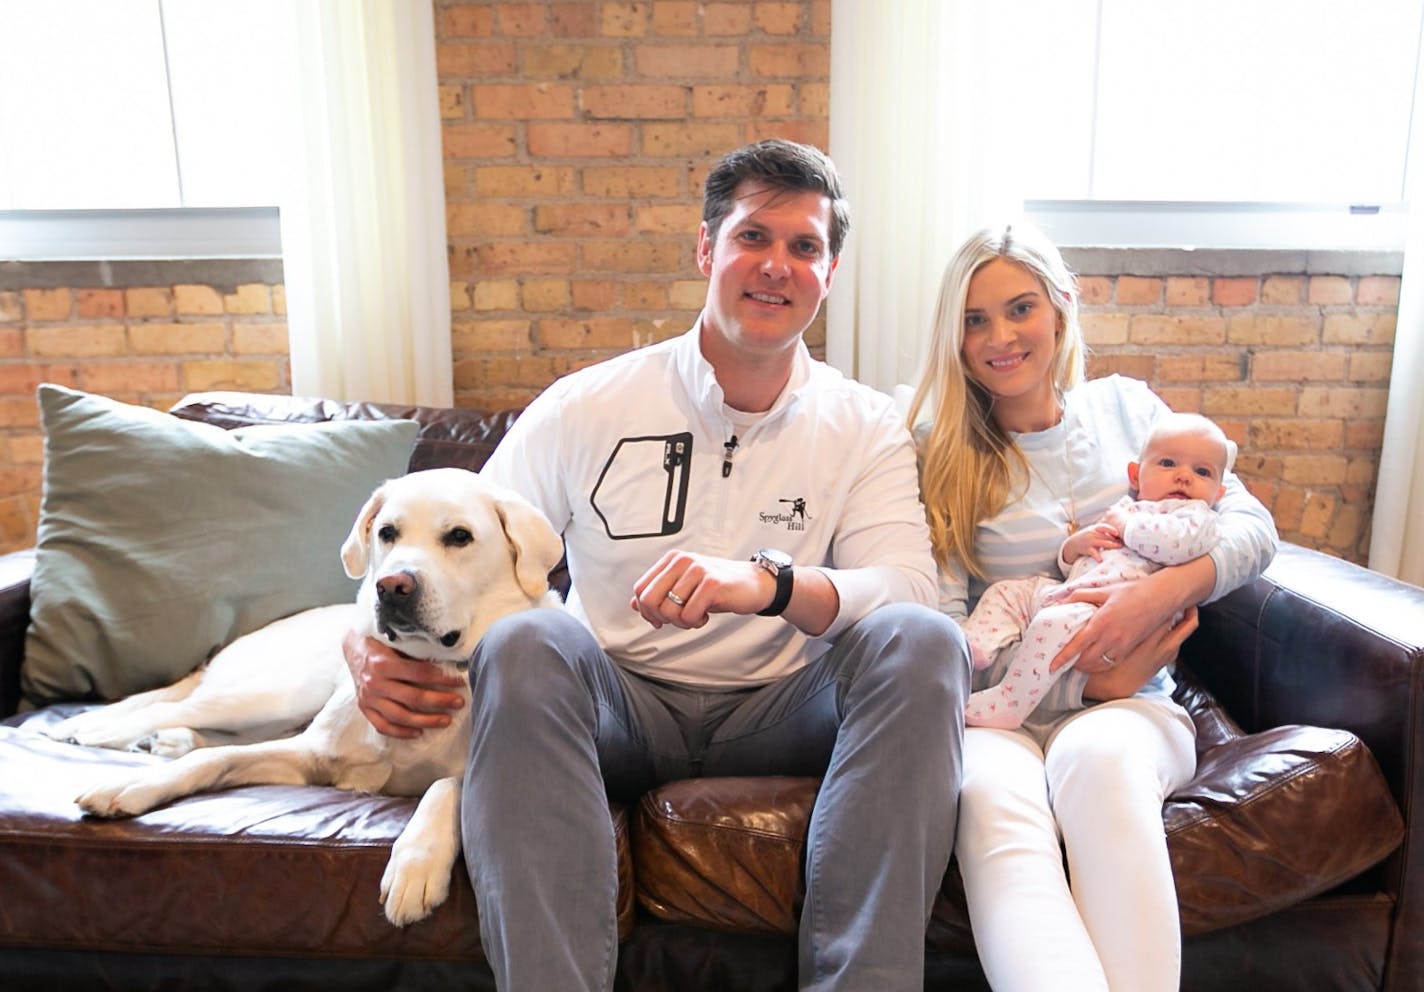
(162, 540)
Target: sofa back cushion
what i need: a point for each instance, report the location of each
(160, 541)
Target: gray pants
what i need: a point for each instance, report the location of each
(557, 728)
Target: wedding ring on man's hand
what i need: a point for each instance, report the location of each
(1109, 660)
(675, 598)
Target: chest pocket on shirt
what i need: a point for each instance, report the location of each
(642, 490)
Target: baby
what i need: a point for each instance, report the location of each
(1021, 624)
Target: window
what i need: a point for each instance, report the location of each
(1217, 123)
(134, 113)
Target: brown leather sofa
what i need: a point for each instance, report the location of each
(1295, 867)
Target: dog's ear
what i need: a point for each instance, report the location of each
(536, 545)
(356, 550)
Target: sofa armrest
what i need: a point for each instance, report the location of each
(1320, 641)
(15, 570)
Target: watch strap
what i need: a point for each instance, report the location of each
(779, 602)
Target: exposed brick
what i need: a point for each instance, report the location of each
(489, 220)
(670, 219)
(675, 18)
(1288, 507)
(623, 20)
(1138, 290)
(229, 374)
(1300, 365)
(48, 304)
(12, 342)
(1094, 290)
(191, 300)
(504, 258)
(1183, 399)
(491, 335)
(19, 411)
(1326, 290)
(770, 100)
(22, 379)
(594, 294)
(1213, 367)
(279, 299)
(1235, 291)
(630, 181)
(524, 20)
(1349, 524)
(689, 140)
(645, 101)
(727, 19)
(813, 133)
(462, 60)
(1359, 328)
(1313, 470)
(687, 61)
(1248, 401)
(1316, 515)
(524, 101)
(1378, 291)
(544, 295)
(1365, 434)
(1188, 291)
(634, 256)
(1136, 366)
(687, 294)
(1343, 401)
(250, 298)
(1372, 366)
(611, 332)
(1310, 435)
(1103, 328)
(478, 140)
(259, 339)
(820, 19)
(496, 294)
(815, 100)
(77, 341)
(1283, 290)
(1272, 330)
(778, 18)
(789, 61)
(572, 20)
(580, 140)
(645, 296)
(11, 310)
(571, 62)
(452, 101)
(178, 339)
(467, 20)
(582, 219)
(100, 303)
(110, 378)
(1155, 329)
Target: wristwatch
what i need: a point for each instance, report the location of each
(778, 563)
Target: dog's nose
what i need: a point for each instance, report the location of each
(395, 588)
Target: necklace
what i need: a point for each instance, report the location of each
(1069, 505)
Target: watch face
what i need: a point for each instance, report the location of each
(780, 559)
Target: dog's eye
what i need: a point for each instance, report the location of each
(388, 534)
(458, 537)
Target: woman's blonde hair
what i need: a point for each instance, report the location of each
(968, 464)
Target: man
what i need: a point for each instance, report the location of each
(711, 631)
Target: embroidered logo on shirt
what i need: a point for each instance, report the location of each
(793, 515)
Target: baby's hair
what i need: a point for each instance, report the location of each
(1192, 423)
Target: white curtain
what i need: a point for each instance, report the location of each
(363, 230)
(1397, 534)
(921, 131)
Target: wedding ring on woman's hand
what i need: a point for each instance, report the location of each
(1109, 660)
(675, 598)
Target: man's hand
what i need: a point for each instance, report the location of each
(683, 589)
(1093, 541)
(401, 697)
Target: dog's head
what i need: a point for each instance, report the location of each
(444, 553)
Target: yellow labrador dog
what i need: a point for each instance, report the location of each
(443, 554)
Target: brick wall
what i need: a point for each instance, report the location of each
(576, 138)
(140, 332)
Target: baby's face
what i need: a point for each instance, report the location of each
(1185, 465)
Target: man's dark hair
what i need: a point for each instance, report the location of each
(778, 164)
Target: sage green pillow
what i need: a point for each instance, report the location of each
(162, 540)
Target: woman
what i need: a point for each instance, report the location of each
(1018, 453)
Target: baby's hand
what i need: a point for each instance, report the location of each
(1116, 517)
(1092, 541)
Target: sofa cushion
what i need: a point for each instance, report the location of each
(253, 871)
(160, 541)
(1269, 819)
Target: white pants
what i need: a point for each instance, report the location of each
(1098, 783)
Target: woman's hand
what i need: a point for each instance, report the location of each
(402, 697)
(1137, 668)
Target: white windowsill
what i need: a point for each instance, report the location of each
(190, 232)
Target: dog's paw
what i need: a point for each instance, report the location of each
(414, 884)
(117, 799)
(171, 742)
